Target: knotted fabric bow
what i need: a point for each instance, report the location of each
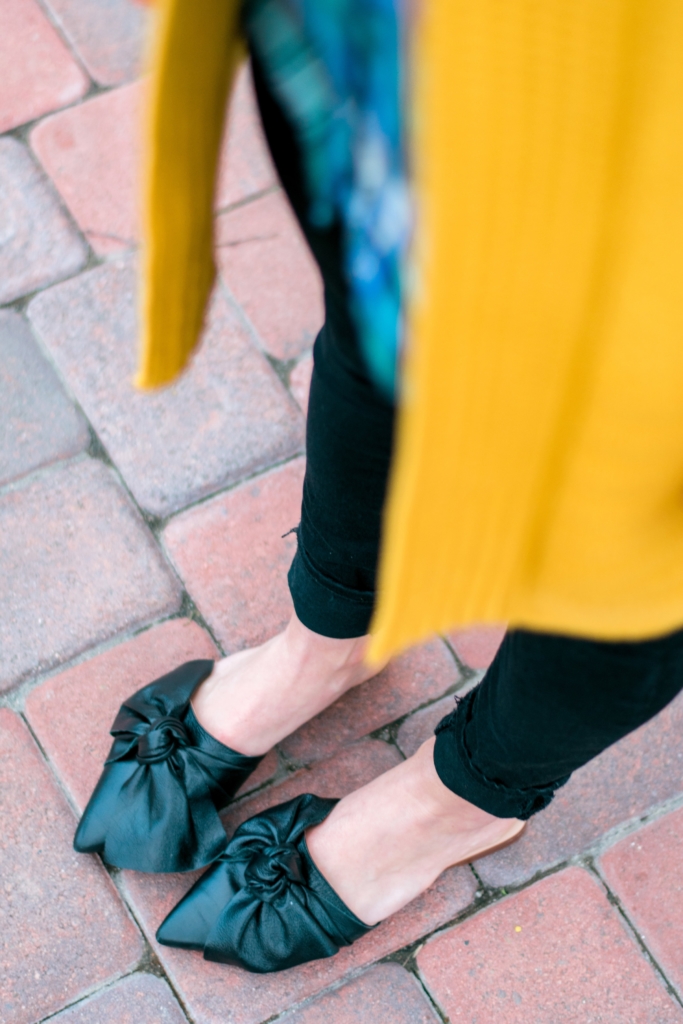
(274, 908)
(156, 804)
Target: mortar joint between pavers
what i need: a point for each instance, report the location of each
(24, 479)
(631, 826)
(48, 356)
(65, 38)
(389, 732)
(493, 893)
(94, 259)
(15, 698)
(481, 890)
(147, 956)
(21, 302)
(156, 523)
(393, 742)
(18, 306)
(189, 610)
(291, 764)
(91, 258)
(351, 975)
(245, 200)
(407, 957)
(121, 480)
(97, 89)
(22, 131)
(61, 786)
(417, 974)
(613, 900)
(88, 994)
(148, 962)
(467, 672)
(282, 772)
(486, 896)
(231, 486)
(275, 364)
(282, 367)
(95, 448)
(307, 353)
(294, 765)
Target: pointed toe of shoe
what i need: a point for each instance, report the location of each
(264, 906)
(189, 924)
(183, 930)
(155, 807)
(90, 835)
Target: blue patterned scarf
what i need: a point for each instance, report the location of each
(335, 66)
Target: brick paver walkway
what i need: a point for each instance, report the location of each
(137, 531)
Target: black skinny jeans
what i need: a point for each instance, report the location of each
(548, 704)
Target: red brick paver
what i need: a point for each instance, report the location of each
(63, 928)
(300, 381)
(138, 999)
(78, 565)
(246, 167)
(213, 461)
(40, 425)
(225, 418)
(420, 726)
(38, 245)
(38, 72)
(232, 556)
(385, 993)
(215, 994)
(108, 35)
(476, 647)
(626, 780)
(557, 952)
(268, 267)
(71, 713)
(415, 678)
(645, 870)
(349, 769)
(92, 153)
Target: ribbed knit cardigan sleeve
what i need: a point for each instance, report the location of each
(538, 469)
(196, 51)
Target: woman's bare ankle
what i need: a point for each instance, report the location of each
(254, 698)
(385, 843)
(342, 659)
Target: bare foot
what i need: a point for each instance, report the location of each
(255, 698)
(389, 841)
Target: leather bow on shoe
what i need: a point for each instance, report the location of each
(264, 905)
(155, 807)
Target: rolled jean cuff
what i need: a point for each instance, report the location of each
(325, 606)
(456, 767)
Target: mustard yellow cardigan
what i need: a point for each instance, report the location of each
(538, 478)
